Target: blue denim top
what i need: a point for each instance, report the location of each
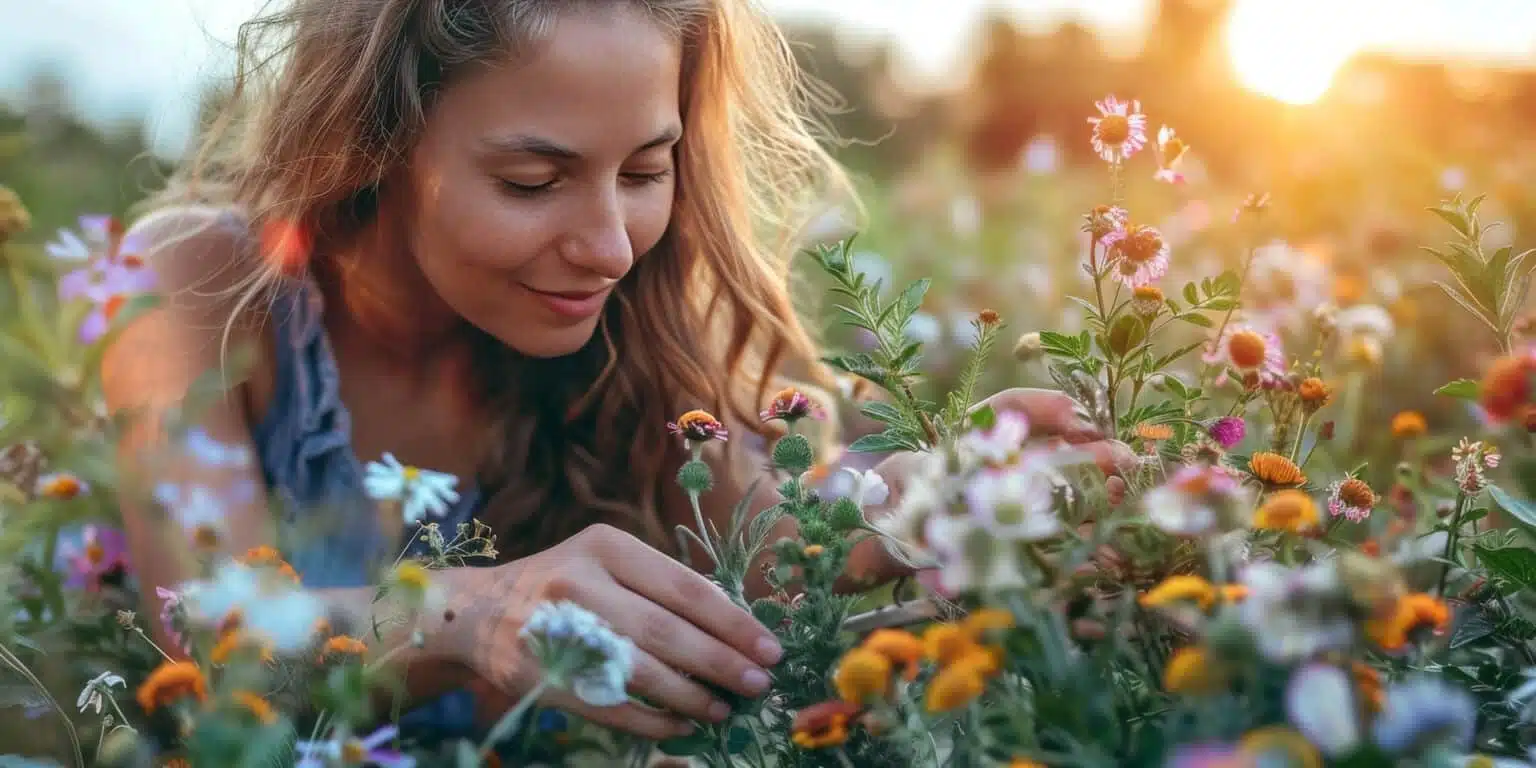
(304, 443)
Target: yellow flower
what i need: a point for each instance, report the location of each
(1191, 670)
(256, 706)
(60, 485)
(1288, 510)
(814, 550)
(1178, 588)
(171, 681)
(1275, 470)
(984, 620)
(14, 218)
(861, 675)
(1407, 425)
(899, 647)
(1233, 593)
(957, 684)
(413, 576)
(1414, 612)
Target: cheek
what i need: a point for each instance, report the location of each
(649, 219)
(468, 228)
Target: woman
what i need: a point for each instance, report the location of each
(539, 229)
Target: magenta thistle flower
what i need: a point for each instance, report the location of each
(1120, 129)
(1228, 431)
(1138, 254)
(99, 557)
(791, 405)
(698, 427)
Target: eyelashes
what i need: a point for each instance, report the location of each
(535, 190)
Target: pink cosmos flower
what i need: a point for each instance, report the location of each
(1138, 254)
(100, 556)
(1120, 130)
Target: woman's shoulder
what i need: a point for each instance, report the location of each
(194, 244)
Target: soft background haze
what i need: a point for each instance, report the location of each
(127, 59)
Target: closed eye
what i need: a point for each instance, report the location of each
(526, 190)
(649, 178)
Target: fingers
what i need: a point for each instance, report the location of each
(1116, 489)
(1112, 456)
(681, 647)
(1049, 412)
(664, 687)
(642, 721)
(682, 591)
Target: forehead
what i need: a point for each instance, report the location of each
(597, 78)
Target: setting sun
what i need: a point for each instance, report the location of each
(1281, 50)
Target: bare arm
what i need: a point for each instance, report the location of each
(149, 371)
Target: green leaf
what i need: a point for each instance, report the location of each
(1465, 389)
(1514, 564)
(1472, 625)
(1175, 386)
(1195, 318)
(1165, 360)
(984, 417)
(1454, 218)
(684, 746)
(1190, 294)
(1227, 284)
(1524, 512)
(1059, 345)
(912, 297)
(1219, 305)
(883, 442)
(884, 413)
(858, 364)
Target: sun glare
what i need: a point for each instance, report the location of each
(1281, 50)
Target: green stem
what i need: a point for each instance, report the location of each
(1301, 433)
(503, 728)
(1450, 541)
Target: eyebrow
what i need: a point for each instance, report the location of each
(526, 144)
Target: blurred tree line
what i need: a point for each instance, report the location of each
(1386, 132)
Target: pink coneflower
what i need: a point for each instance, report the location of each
(1352, 499)
(1228, 431)
(1119, 130)
(100, 557)
(1170, 153)
(698, 427)
(791, 405)
(1139, 254)
(1248, 350)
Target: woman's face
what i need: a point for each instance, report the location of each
(539, 181)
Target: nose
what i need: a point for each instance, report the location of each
(599, 241)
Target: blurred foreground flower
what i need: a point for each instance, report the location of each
(266, 602)
(368, 750)
(578, 650)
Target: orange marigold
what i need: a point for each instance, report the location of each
(1414, 612)
(255, 706)
(1408, 425)
(1314, 392)
(343, 645)
(899, 646)
(170, 682)
(1151, 432)
(1275, 470)
(269, 557)
(1506, 388)
(823, 725)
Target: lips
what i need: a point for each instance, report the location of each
(572, 304)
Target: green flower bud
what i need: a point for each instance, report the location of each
(695, 477)
(793, 454)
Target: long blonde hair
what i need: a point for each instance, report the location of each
(328, 98)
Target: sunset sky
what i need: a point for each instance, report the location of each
(127, 58)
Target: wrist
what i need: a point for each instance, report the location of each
(447, 625)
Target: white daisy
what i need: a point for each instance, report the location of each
(91, 695)
(869, 488)
(422, 492)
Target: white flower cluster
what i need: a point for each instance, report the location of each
(970, 509)
(271, 607)
(580, 651)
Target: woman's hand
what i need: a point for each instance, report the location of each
(682, 625)
(1052, 415)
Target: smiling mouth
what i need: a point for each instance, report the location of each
(575, 305)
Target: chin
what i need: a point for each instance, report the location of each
(549, 342)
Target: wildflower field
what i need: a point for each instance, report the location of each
(1322, 553)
